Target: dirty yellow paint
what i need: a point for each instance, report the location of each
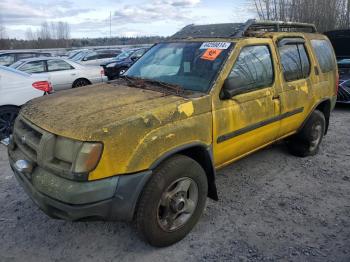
(170, 136)
(304, 88)
(186, 108)
(139, 126)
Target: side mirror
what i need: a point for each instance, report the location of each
(232, 87)
(134, 58)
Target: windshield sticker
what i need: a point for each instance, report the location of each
(216, 45)
(211, 54)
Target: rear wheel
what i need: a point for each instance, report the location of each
(80, 82)
(307, 141)
(172, 201)
(8, 115)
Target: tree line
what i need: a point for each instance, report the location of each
(57, 35)
(325, 14)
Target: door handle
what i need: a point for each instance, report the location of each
(276, 97)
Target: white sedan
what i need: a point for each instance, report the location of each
(63, 73)
(17, 88)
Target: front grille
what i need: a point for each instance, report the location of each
(27, 138)
(40, 147)
(343, 93)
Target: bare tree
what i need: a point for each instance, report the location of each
(2, 29)
(63, 30)
(30, 35)
(45, 31)
(325, 14)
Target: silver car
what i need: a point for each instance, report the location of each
(63, 73)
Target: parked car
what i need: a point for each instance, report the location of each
(146, 146)
(118, 65)
(17, 88)
(73, 53)
(340, 40)
(94, 57)
(9, 57)
(62, 73)
(344, 81)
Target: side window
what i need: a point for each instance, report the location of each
(33, 67)
(58, 65)
(324, 54)
(295, 61)
(25, 55)
(105, 55)
(138, 53)
(91, 56)
(7, 59)
(253, 68)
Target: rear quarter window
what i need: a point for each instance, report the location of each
(325, 55)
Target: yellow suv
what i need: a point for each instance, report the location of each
(146, 147)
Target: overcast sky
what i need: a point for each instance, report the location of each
(90, 18)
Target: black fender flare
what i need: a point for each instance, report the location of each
(203, 154)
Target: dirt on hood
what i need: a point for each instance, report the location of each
(80, 112)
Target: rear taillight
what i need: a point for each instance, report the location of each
(102, 72)
(43, 86)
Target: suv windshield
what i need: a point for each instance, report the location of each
(191, 65)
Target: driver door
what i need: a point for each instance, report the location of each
(248, 120)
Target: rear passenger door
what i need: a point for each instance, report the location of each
(61, 74)
(296, 83)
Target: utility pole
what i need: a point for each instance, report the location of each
(110, 24)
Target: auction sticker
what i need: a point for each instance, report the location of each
(216, 45)
(211, 54)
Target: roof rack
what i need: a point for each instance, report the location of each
(236, 30)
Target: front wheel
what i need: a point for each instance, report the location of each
(307, 141)
(8, 115)
(172, 201)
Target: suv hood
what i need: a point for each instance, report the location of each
(87, 113)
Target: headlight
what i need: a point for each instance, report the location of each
(88, 157)
(111, 65)
(74, 159)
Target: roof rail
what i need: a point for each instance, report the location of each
(236, 30)
(279, 26)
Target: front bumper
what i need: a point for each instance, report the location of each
(113, 198)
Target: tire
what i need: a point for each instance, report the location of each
(307, 141)
(80, 82)
(122, 70)
(167, 212)
(8, 115)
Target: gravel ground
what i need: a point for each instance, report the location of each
(273, 207)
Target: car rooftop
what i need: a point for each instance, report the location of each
(238, 30)
(43, 58)
(22, 51)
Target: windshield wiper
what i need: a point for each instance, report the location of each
(141, 83)
(178, 89)
(133, 81)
